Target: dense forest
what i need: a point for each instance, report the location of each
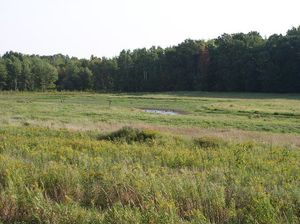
(231, 62)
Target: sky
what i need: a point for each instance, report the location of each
(82, 28)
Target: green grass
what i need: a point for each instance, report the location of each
(270, 113)
(54, 175)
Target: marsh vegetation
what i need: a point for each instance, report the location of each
(81, 160)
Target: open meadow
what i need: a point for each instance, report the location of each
(72, 157)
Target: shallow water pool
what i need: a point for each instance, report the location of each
(159, 111)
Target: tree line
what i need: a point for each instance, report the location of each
(232, 62)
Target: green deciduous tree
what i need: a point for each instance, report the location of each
(45, 74)
(231, 62)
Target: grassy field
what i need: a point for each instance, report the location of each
(248, 112)
(225, 158)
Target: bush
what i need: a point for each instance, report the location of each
(130, 135)
(208, 142)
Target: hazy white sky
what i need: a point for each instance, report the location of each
(105, 27)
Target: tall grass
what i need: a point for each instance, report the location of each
(49, 176)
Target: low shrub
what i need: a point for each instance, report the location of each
(208, 142)
(130, 135)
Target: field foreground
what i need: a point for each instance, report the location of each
(224, 159)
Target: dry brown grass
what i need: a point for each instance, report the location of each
(230, 134)
(226, 134)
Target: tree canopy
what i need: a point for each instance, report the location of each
(231, 62)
